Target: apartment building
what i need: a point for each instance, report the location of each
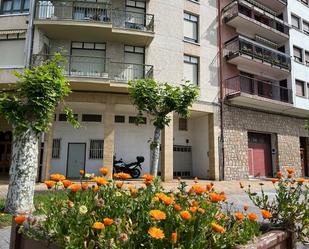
(264, 86)
(106, 44)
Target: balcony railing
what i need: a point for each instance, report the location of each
(243, 46)
(94, 12)
(244, 84)
(99, 68)
(255, 13)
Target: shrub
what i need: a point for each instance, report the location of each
(112, 215)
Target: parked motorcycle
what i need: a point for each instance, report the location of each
(134, 168)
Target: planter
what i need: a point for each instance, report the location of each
(271, 240)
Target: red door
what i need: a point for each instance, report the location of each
(259, 155)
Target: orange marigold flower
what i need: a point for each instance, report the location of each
(167, 200)
(50, 184)
(108, 221)
(193, 209)
(217, 228)
(209, 186)
(252, 217)
(100, 180)
(274, 180)
(266, 214)
(157, 214)
(290, 171)
(246, 207)
(66, 183)
(19, 219)
(57, 177)
(239, 216)
(185, 215)
(95, 188)
(279, 174)
(201, 210)
(177, 207)
(119, 184)
(214, 197)
(85, 185)
(98, 226)
(241, 185)
(156, 233)
(174, 237)
(148, 177)
(122, 176)
(197, 189)
(75, 187)
(300, 180)
(104, 171)
(82, 172)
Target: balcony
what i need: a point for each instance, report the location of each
(253, 57)
(276, 5)
(251, 20)
(256, 93)
(98, 73)
(94, 21)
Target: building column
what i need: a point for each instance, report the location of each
(109, 138)
(167, 151)
(47, 154)
(213, 152)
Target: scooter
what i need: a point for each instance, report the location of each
(134, 168)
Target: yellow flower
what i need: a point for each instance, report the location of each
(217, 228)
(156, 233)
(98, 226)
(122, 176)
(100, 180)
(57, 177)
(157, 215)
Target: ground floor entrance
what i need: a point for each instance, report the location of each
(5, 153)
(304, 156)
(259, 155)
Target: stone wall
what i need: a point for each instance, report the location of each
(237, 122)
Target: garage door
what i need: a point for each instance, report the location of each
(182, 161)
(259, 155)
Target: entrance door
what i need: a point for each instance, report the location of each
(182, 161)
(259, 155)
(76, 159)
(303, 156)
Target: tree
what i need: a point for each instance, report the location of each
(29, 107)
(158, 100)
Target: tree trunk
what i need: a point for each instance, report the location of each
(155, 152)
(23, 173)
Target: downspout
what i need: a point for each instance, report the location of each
(222, 163)
(30, 33)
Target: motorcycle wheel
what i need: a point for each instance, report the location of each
(135, 173)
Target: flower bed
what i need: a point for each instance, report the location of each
(111, 215)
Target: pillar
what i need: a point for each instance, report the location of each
(109, 137)
(167, 151)
(213, 140)
(47, 155)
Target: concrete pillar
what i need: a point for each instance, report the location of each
(213, 153)
(109, 137)
(167, 151)
(47, 155)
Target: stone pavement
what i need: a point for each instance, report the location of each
(5, 238)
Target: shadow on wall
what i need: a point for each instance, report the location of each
(211, 34)
(212, 3)
(213, 71)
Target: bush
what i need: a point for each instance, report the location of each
(111, 215)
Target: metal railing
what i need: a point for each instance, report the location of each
(258, 87)
(94, 12)
(99, 68)
(244, 46)
(248, 9)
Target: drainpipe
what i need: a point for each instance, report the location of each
(30, 33)
(222, 163)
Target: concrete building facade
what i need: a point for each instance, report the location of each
(106, 44)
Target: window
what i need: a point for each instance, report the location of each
(133, 120)
(12, 48)
(307, 58)
(183, 124)
(63, 117)
(295, 22)
(190, 27)
(306, 27)
(300, 88)
(96, 149)
(298, 54)
(119, 119)
(56, 148)
(15, 6)
(191, 68)
(91, 118)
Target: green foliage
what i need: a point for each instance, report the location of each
(70, 217)
(5, 218)
(289, 208)
(160, 99)
(36, 95)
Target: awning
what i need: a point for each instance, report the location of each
(15, 31)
